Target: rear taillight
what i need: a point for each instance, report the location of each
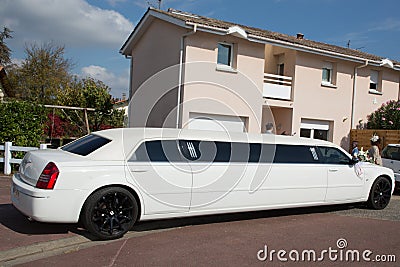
(48, 177)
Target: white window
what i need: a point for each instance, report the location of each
(327, 73)
(315, 129)
(225, 54)
(374, 80)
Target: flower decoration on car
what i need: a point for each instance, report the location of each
(374, 138)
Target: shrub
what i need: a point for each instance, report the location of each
(386, 117)
(21, 123)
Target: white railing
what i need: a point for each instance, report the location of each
(8, 159)
(277, 86)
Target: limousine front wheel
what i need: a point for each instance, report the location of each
(109, 213)
(380, 194)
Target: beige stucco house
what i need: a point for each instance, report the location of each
(239, 78)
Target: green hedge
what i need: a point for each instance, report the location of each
(21, 123)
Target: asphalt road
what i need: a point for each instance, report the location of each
(232, 239)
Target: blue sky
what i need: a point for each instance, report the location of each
(93, 31)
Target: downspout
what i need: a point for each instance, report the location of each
(130, 93)
(180, 81)
(354, 91)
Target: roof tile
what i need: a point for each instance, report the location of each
(193, 18)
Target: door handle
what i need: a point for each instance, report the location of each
(333, 170)
(139, 170)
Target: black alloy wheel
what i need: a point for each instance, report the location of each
(109, 213)
(380, 194)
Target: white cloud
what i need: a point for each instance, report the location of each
(115, 2)
(142, 4)
(17, 61)
(118, 83)
(390, 24)
(72, 22)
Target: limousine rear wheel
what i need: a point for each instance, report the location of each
(109, 213)
(380, 194)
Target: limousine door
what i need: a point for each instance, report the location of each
(343, 182)
(214, 179)
(162, 175)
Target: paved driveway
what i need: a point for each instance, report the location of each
(233, 239)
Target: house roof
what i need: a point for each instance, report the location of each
(188, 20)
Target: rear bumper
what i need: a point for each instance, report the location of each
(59, 206)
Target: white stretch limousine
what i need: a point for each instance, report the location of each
(110, 179)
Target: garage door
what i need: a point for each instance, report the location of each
(213, 122)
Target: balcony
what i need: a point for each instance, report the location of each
(277, 87)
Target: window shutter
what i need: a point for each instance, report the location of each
(374, 76)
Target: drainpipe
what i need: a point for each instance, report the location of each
(353, 101)
(130, 93)
(180, 81)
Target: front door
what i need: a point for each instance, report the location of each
(343, 181)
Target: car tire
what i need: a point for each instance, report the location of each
(380, 194)
(109, 213)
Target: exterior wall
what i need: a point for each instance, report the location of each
(212, 91)
(155, 102)
(367, 102)
(271, 60)
(315, 101)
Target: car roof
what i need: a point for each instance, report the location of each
(130, 135)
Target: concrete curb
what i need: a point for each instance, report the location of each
(56, 247)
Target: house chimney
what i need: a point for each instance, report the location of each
(300, 36)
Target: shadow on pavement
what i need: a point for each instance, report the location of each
(15, 221)
(242, 216)
(12, 219)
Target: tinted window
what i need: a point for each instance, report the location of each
(295, 154)
(206, 151)
(157, 151)
(332, 155)
(255, 152)
(391, 152)
(223, 152)
(190, 149)
(86, 145)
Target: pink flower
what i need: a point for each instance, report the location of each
(391, 122)
(383, 118)
(398, 108)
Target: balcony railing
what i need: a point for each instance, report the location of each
(277, 86)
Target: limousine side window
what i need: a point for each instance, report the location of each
(157, 151)
(205, 151)
(295, 154)
(332, 155)
(208, 151)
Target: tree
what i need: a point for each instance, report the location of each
(43, 74)
(86, 93)
(386, 117)
(5, 51)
